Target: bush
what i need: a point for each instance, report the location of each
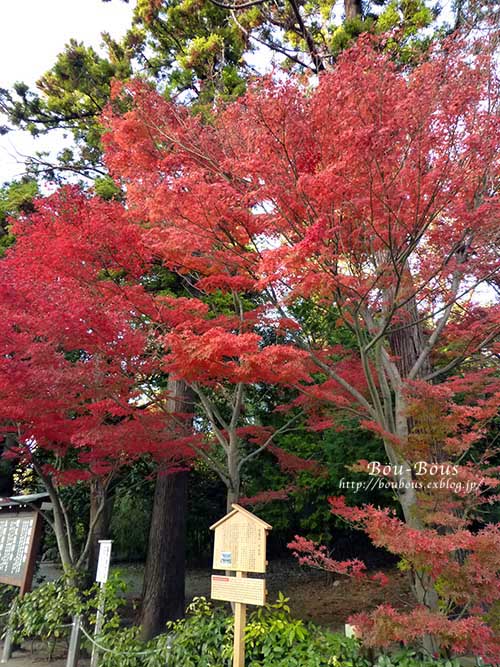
(7, 595)
(46, 613)
(203, 639)
(275, 639)
(43, 613)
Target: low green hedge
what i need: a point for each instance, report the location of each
(203, 639)
(273, 639)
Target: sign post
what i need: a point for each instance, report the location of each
(19, 541)
(101, 577)
(240, 621)
(20, 534)
(240, 546)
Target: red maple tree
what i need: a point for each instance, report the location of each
(371, 198)
(71, 408)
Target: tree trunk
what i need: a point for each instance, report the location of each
(406, 345)
(408, 342)
(233, 490)
(98, 493)
(164, 576)
(352, 9)
(165, 571)
(63, 538)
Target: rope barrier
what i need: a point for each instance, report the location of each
(110, 650)
(58, 627)
(126, 653)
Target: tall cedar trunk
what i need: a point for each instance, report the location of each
(352, 9)
(98, 493)
(406, 345)
(164, 577)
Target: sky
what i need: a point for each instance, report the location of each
(32, 33)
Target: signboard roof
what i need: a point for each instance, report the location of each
(237, 509)
(22, 501)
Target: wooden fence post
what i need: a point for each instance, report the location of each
(9, 635)
(74, 643)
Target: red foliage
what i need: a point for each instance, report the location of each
(308, 553)
(373, 198)
(469, 584)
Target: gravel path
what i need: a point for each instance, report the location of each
(26, 659)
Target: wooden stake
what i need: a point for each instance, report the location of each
(74, 643)
(99, 622)
(8, 642)
(240, 620)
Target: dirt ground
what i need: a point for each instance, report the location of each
(27, 659)
(314, 596)
(328, 600)
(331, 603)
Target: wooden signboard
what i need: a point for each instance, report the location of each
(19, 540)
(240, 546)
(240, 542)
(239, 589)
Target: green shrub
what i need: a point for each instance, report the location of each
(275, 639)
(409, 658)
(7, 595)
(46, 613)
(43, 613)
(124, 647)
(203, 639)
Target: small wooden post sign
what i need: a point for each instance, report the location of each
(101, 577)
(19, 541)
(20, 533)
(240, 547)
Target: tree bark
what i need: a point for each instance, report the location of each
(63, 537)
(233, 490)
(406, 345)
(352, 9)
(98, 493)
(165, 572)
(164, 576)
